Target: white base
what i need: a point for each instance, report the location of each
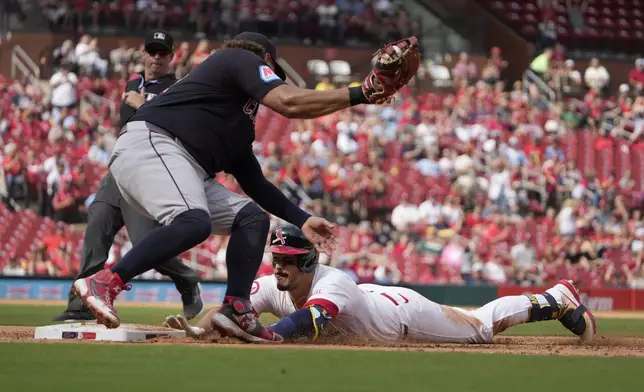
(93, 331)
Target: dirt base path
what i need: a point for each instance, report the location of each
(526, 345)
(618, 314)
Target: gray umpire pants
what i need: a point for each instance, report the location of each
(107, 215)
(158, 176)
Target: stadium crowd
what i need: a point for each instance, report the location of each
(330, 21)
(482, 185)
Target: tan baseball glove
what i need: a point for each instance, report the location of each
(396, 63)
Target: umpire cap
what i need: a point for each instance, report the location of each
(289, 240)
(159, 39)
(268, 45)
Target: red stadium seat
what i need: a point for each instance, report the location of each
(529, 30)
(623, 23)
(514, 6)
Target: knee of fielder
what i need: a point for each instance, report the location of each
(253, 220)
(193, 226)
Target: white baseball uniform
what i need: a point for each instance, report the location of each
(386, 313)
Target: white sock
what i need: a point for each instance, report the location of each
(556, 294)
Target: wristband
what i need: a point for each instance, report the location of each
(356, 96)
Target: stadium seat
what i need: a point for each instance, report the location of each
(440, 75)
(341, 70)
(318, 67)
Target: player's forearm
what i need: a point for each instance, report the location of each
(249, 175)
(302, 103)
(309, 321)
(275, 202)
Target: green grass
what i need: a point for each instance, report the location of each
(605, 327)
(41, 315)
(66, 367)
(11, 314)
(144, 367)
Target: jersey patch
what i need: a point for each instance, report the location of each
(255, 288)
(267, 74)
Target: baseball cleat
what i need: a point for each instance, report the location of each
(237, 319)
(192, 302)
(98, 293)
(573, 315)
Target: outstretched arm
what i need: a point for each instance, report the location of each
(294, 102)
(248, 174)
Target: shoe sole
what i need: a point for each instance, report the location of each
(227, 327)
(573, 297)
(104, 315)
(74, 320)
(69, 321)
(189, 313)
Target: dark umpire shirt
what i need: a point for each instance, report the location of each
(212, 110)
(151, 88)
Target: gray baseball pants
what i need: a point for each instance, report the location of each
(157, 176)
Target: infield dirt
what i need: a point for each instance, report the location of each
(526, 345)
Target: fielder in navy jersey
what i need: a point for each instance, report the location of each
(165, 161)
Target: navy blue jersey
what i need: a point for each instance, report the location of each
(212, 110)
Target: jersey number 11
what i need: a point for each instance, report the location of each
(389, 297)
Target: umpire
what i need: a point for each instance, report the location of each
(109, 212)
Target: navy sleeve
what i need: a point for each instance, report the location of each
(248, 174)
(311, 320)
(251, 74)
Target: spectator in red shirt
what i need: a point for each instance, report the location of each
(287, 18)
(55, 240)
(65, 203)
(13, 170)
(636, 77)
(180, 60)
(464, 70)
(364, 270)
(548, 9)
(200, 53)
(497, 58)
(60, 258)
(38, 263)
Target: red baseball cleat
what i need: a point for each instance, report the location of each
(236, 318)
(98, 293)
(577, 318)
